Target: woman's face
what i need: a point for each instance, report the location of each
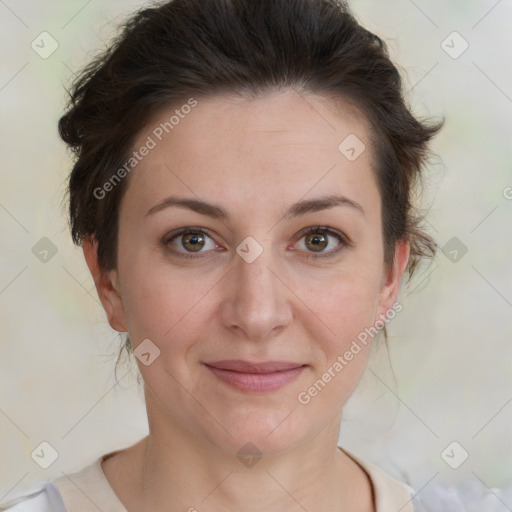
(251, 285)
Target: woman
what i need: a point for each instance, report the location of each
(242, 193)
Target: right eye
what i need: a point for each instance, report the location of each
(187, 242)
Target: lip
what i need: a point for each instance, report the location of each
(255, 376)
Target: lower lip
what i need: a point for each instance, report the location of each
(256, 382)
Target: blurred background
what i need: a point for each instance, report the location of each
(434, 411)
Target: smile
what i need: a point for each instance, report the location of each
(255, 377)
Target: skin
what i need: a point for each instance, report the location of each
(255, 158)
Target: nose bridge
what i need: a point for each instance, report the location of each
(258, 300)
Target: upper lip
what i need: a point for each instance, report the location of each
(237, 365)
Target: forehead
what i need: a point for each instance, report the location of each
(245, 150)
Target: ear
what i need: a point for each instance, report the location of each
(106, 285)
(390, 285)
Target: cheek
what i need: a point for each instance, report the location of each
(345, 311)
(163, 303)
(346, 303)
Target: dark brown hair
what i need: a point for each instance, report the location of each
(196, 48)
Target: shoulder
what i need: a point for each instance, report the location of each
(46, 499)
(389, 493)
(84, 490)
(80, 491)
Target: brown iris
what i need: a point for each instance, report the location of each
(318, 240)
(196, 241)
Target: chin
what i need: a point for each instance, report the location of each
(270, 432)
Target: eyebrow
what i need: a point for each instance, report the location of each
(298, 209)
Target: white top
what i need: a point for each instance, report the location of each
(88, 490)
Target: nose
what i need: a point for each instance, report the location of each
(257, 303)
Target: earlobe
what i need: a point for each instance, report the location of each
(106, 286)
(391, 283)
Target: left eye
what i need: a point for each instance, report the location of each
(317, 239)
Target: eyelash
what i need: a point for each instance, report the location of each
(344, 241)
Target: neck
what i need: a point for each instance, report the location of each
(173, 467)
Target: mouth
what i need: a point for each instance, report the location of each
(255, 377)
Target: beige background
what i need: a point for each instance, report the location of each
(450, 347)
